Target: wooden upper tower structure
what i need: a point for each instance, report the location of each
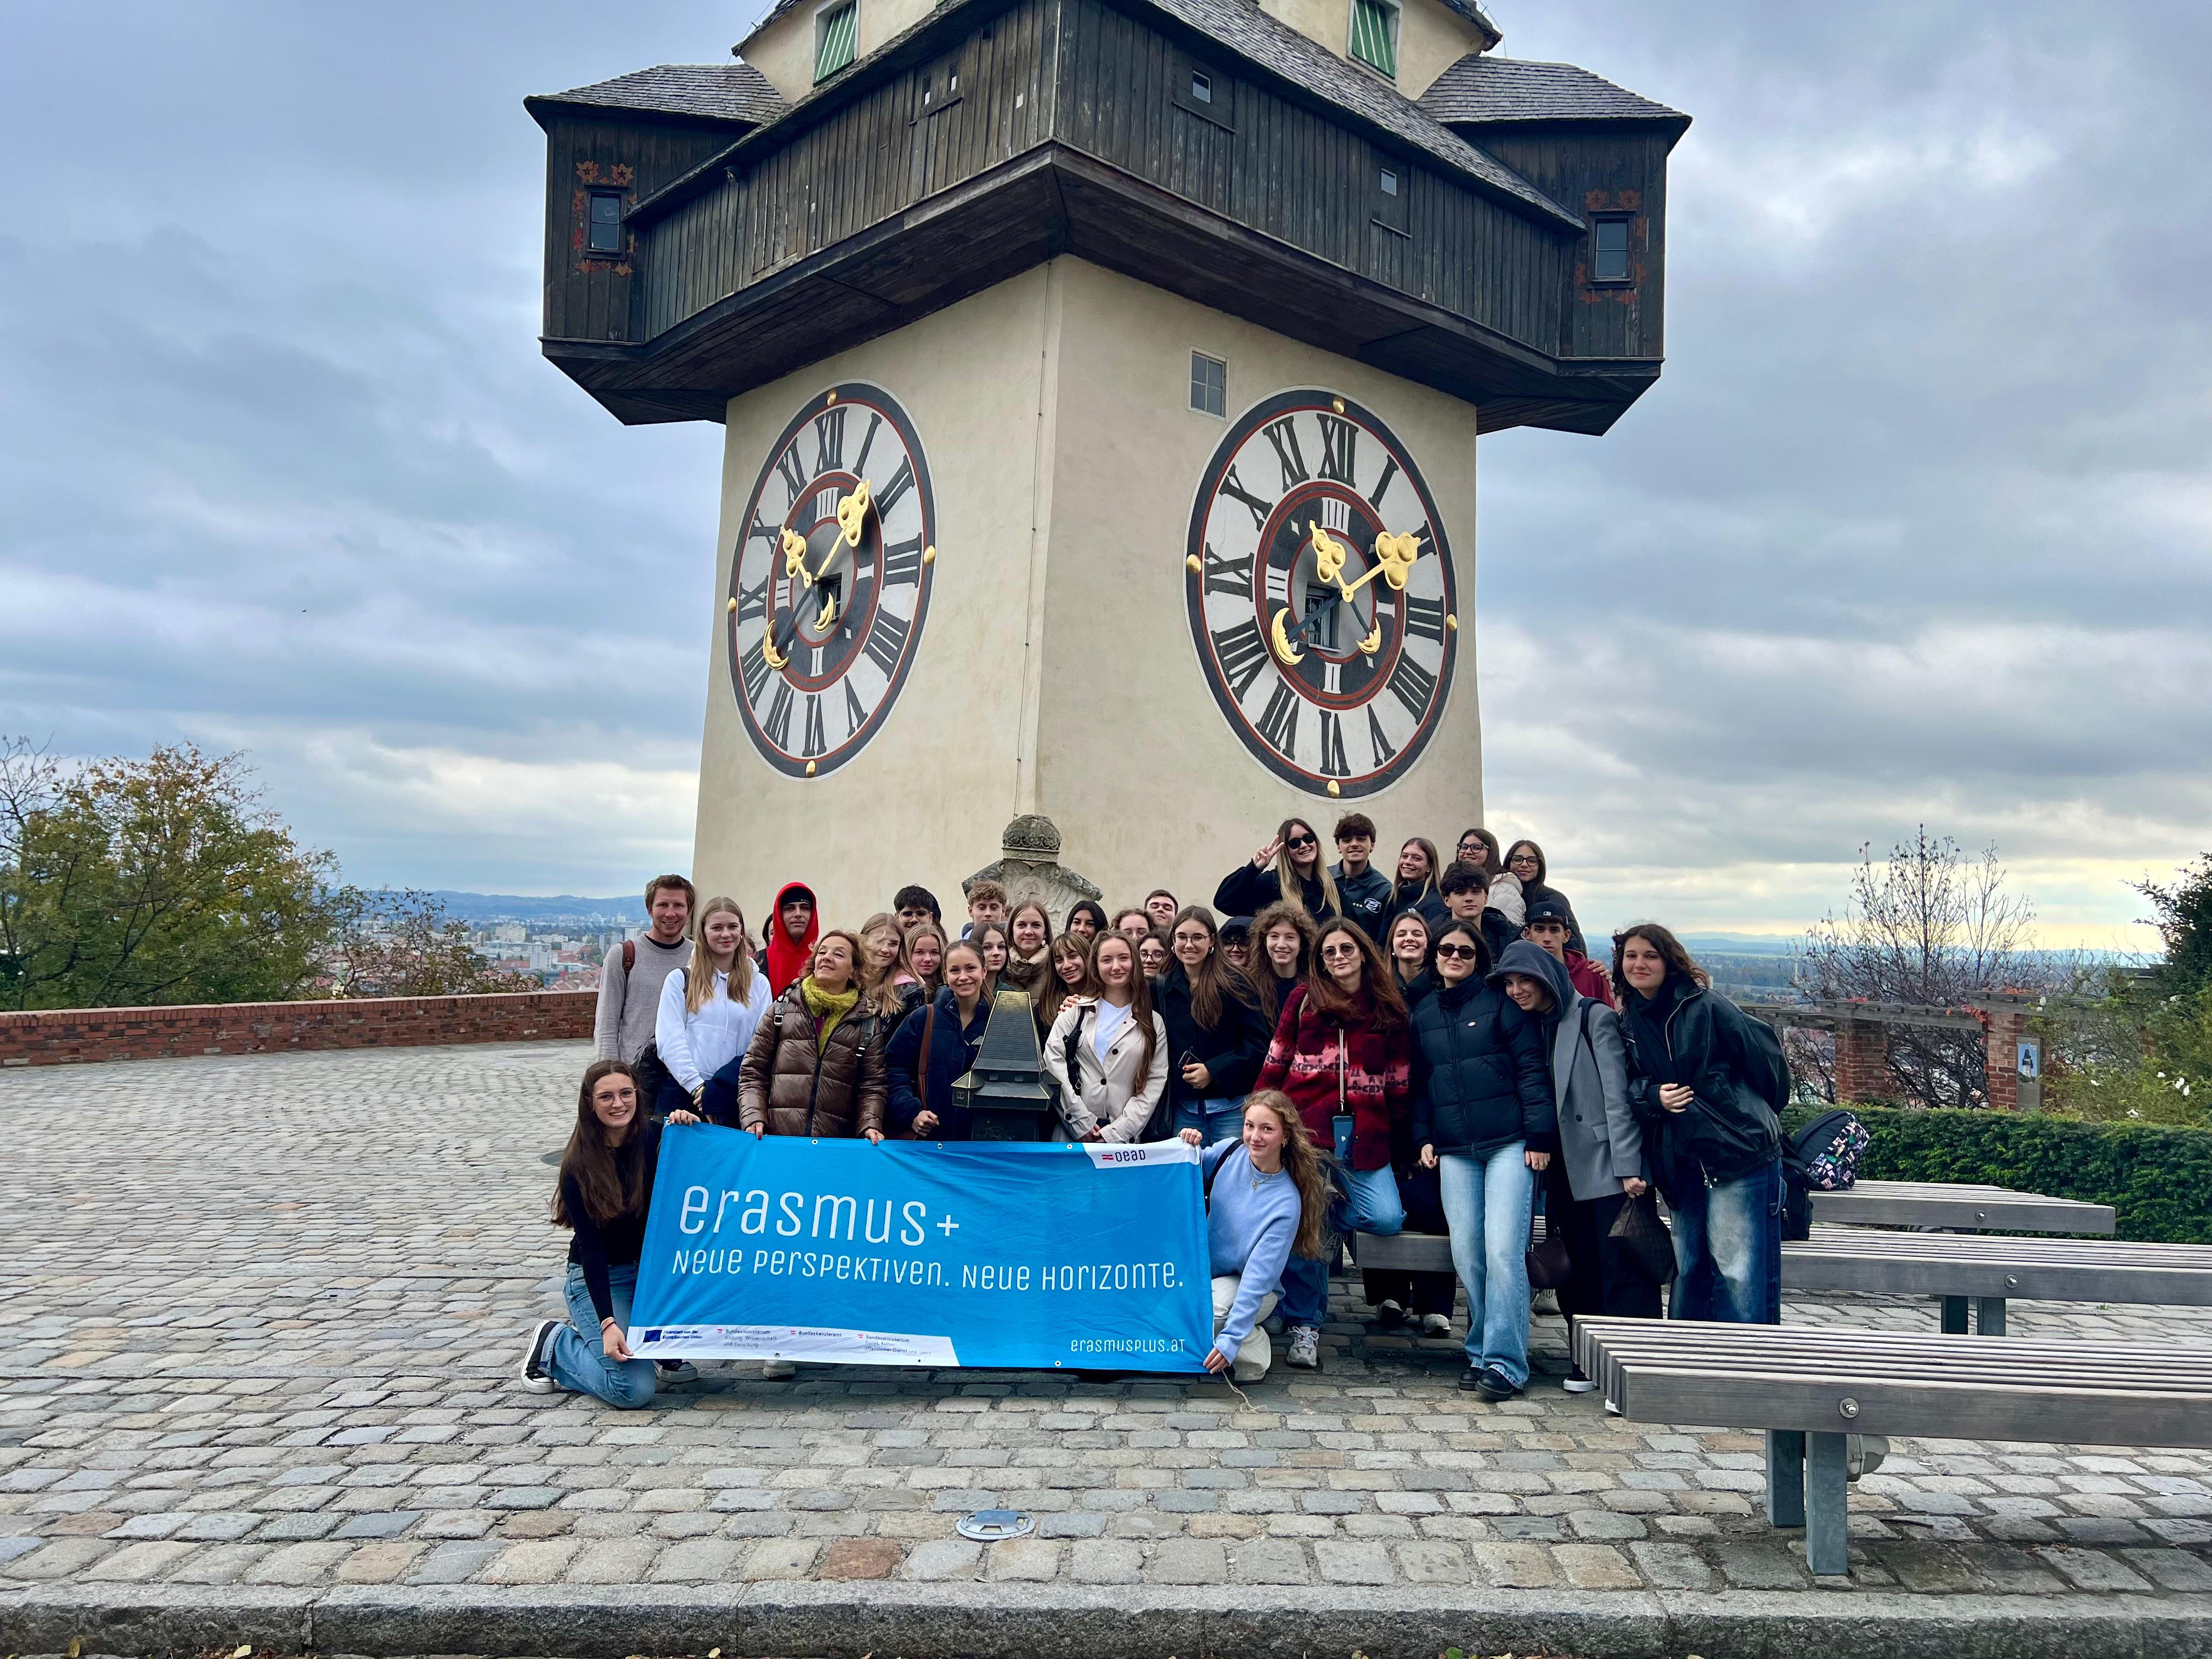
(1205, 222)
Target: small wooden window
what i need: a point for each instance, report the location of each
(1197, 87)
(603, 232)
(1374, 36)
(1609, 250)
(837, 39)
(1392, 186)
(1209, 383)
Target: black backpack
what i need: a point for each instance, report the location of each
(1822, 1157)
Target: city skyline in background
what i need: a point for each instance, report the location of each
(1913, 529)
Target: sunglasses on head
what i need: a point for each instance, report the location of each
(1458, 952)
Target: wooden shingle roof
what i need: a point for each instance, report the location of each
(710, 92)
(1487, 90)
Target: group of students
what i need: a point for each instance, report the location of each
(1354, 1051)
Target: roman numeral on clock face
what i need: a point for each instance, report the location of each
(1413, 685)
(903, 563)
(1284, 435)
(753, 601)
(1244, 653)
(1278, 722)
(1425, 619)
(856, 716)
(816, 743)
(901, 481)
(778, 723)
(886, 640)
(1232, 577)
(1332, 763)
(1232, 487)
(1340, 446)
(794, 476)
(829, 441)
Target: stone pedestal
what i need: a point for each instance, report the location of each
(1029, 867)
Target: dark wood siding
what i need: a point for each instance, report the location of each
(1295, 173)
(900, 142)
(1605, 170)
(588, 297)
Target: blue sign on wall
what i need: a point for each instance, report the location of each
(920, 1252)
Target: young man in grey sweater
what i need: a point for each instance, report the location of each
(629, 998)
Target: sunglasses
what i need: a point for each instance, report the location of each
(1340, 950)
(1302, 841)
(1458, 952)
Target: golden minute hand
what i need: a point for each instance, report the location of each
(852, 513)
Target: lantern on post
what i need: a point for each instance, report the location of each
(1004, 1092)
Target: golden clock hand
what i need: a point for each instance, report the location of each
(853, 514)
(1328, 555)
(794, 555)
(1393, 556)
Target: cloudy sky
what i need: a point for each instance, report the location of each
(1914, 529)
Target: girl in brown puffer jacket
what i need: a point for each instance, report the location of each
(815, 1067)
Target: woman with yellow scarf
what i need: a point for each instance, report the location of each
(815, 1065)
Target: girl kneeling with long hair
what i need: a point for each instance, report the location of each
(1265, 1197)
(606, 1191)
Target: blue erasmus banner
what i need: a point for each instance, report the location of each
(920, 1253)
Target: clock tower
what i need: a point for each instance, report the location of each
(1102, 381)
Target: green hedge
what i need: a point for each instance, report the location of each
(2157, 1180)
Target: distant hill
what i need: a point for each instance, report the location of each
(626, 911)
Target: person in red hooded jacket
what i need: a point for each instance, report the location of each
(790, 936)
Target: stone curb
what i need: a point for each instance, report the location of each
(1000, 1621)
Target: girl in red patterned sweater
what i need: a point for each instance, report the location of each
(1343, 1054)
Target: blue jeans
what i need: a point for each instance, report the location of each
(575, 1358)
(1728, 1250)
(1216, 1120)
(1488, 1201)
(1373, 1206)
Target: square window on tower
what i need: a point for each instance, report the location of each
(1209, 383)
(603, 233)
(1201, 87)
(836, 37)
(1609, 250)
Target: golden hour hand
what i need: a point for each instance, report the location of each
(794, 555)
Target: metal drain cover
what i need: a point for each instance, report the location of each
(993, 1526)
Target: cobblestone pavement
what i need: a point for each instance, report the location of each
(260, 1315)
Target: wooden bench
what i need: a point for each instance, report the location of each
(1961, 1269)
(1959, 1207)
(1808, 1387)
(1992, 1270)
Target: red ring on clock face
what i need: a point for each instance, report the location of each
(1337, 715)
(836, 687)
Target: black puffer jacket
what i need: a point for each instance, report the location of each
(1245, 891)
(1479, 1077)
(1231, 1050)
(1692, 1036)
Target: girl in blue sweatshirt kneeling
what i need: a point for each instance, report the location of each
(1265, 1197)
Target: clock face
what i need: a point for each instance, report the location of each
(830, 583)
(1319, 593)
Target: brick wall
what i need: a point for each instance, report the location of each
(1861, 1060)
(60, 1036)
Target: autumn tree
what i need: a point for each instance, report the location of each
(163, 880)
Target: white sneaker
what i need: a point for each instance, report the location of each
(1305, 1348)
(531, 1373)
(778, 1370)
(1435, 1324)
(1575, 1383)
